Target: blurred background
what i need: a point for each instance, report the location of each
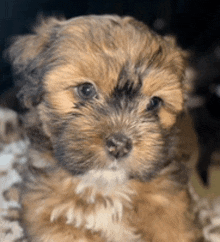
(196, 25)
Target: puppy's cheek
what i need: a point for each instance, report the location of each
(167, 119)
(145, 157)
(62, 102)
(58, 104)
(174, 104)
(45, 119)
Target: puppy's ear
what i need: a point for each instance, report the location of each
(183, 64)
(30, 60)
(185, 55)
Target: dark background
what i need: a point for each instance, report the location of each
(195, 23)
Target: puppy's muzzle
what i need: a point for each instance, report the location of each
(118, 145)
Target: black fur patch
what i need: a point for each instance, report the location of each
(128, 85)
(38, 139)
(71, 162)
(127, 89)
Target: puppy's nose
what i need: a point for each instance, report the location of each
(118, 145)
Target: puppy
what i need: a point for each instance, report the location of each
(103, 95)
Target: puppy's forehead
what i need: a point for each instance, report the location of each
(110, 51)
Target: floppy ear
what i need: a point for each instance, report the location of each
(185, 70)
(30, 59)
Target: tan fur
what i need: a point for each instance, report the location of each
(84, 193)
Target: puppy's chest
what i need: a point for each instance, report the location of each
(102, 204)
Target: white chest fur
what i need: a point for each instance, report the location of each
(104, 195)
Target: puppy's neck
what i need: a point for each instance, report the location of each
(101, 181)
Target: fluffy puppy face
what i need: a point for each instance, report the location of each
(107, 91)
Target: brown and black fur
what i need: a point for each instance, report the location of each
(90, 192)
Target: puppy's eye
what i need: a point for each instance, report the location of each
(154, 103)
(86, 91)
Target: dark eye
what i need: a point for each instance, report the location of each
(154, 103)
(86, 91)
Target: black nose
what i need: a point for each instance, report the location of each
(118, 145)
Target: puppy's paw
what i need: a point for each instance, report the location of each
(10, 126)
